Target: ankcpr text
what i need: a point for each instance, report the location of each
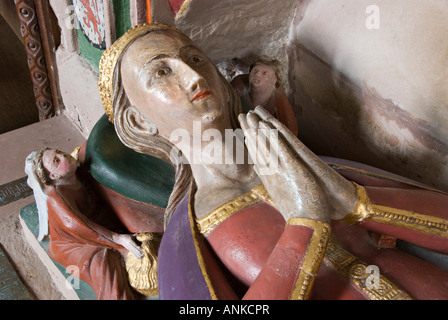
(236, 309)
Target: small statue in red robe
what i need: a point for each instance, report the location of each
(83, 230)
(263, 86)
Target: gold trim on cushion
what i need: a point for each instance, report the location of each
(212, 220)
(313, 258)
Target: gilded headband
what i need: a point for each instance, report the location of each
(110, 58)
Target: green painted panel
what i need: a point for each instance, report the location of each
(122, 11)
(90, 53)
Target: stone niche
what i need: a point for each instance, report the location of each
(87, 29)
(367, 80)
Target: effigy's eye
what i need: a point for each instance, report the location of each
(162, 72)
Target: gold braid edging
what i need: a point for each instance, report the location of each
(366, 210)
(361, 210)
(406, 219)
(255, 196)
(313, 257)
(355, 271)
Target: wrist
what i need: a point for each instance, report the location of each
(297, 218)
(361, 210)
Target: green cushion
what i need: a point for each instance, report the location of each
(131, 174)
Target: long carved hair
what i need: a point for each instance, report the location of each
(151, 143)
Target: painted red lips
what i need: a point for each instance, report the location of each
(201, 95)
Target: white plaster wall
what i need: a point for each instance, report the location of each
(395, 79)
(404, 60)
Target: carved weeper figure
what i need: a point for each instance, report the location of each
(300, 232)
(263, 86)
(82, 229)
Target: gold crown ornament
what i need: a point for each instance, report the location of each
(110, 58)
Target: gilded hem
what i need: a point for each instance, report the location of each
(355, 271)
(366, 210)
(195, 234)
(253, 197)
(410, 220)
(313, 257)
(142, 273)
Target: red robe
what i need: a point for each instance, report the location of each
(307, 259)
(74, 243)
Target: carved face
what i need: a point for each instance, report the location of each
(173, 83)
(59, 164)
(262, 77)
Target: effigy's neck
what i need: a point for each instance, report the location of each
(218, 184)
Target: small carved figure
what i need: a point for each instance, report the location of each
(263, 86)
(83, 230)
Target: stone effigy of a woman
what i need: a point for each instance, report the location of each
(234, 231)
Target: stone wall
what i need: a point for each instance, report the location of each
(77, 57)
(374, 91)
